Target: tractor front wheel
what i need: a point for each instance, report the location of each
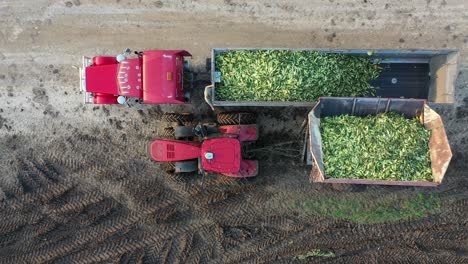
(243, 118)
(186, 166)
(167, 133)
(168, 167)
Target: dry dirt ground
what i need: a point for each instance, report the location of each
(77, 184)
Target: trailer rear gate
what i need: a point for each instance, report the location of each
(408, 80)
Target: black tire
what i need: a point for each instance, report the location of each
(191, 123)
(211, 128)
(177, 118)
(183, 132)
(186, 166)
(244, 118)
(168, 167)
(167, 133)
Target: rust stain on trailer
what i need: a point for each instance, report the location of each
(440, 151)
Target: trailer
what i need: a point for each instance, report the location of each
(440, 153)
(419, 74)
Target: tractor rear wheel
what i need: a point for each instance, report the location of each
(243, 118)
(190, 123)
(177, 118)
(167, 133)
(183, 132)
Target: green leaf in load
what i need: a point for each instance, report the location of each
(285, 75)
(383, 147)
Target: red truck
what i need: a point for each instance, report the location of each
(151, 77)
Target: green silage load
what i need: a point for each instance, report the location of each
(287, 75)
(383, 147)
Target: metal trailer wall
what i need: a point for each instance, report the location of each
(332, 106)
(422, 74)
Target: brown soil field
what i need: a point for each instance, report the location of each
(77, 184)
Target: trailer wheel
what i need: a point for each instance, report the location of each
(177, 118)
(167, 133)
(242, 118)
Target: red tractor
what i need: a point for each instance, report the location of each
(191, 147)
(151, 77)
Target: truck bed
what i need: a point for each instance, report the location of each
(419, 74)
(412, 80)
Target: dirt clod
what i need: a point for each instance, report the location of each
(40, 96)
(331, 37)
(158, 4)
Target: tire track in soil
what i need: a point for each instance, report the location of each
(85, 198)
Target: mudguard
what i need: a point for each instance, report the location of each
(243, 132)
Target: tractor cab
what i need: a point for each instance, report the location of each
(153, 77)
